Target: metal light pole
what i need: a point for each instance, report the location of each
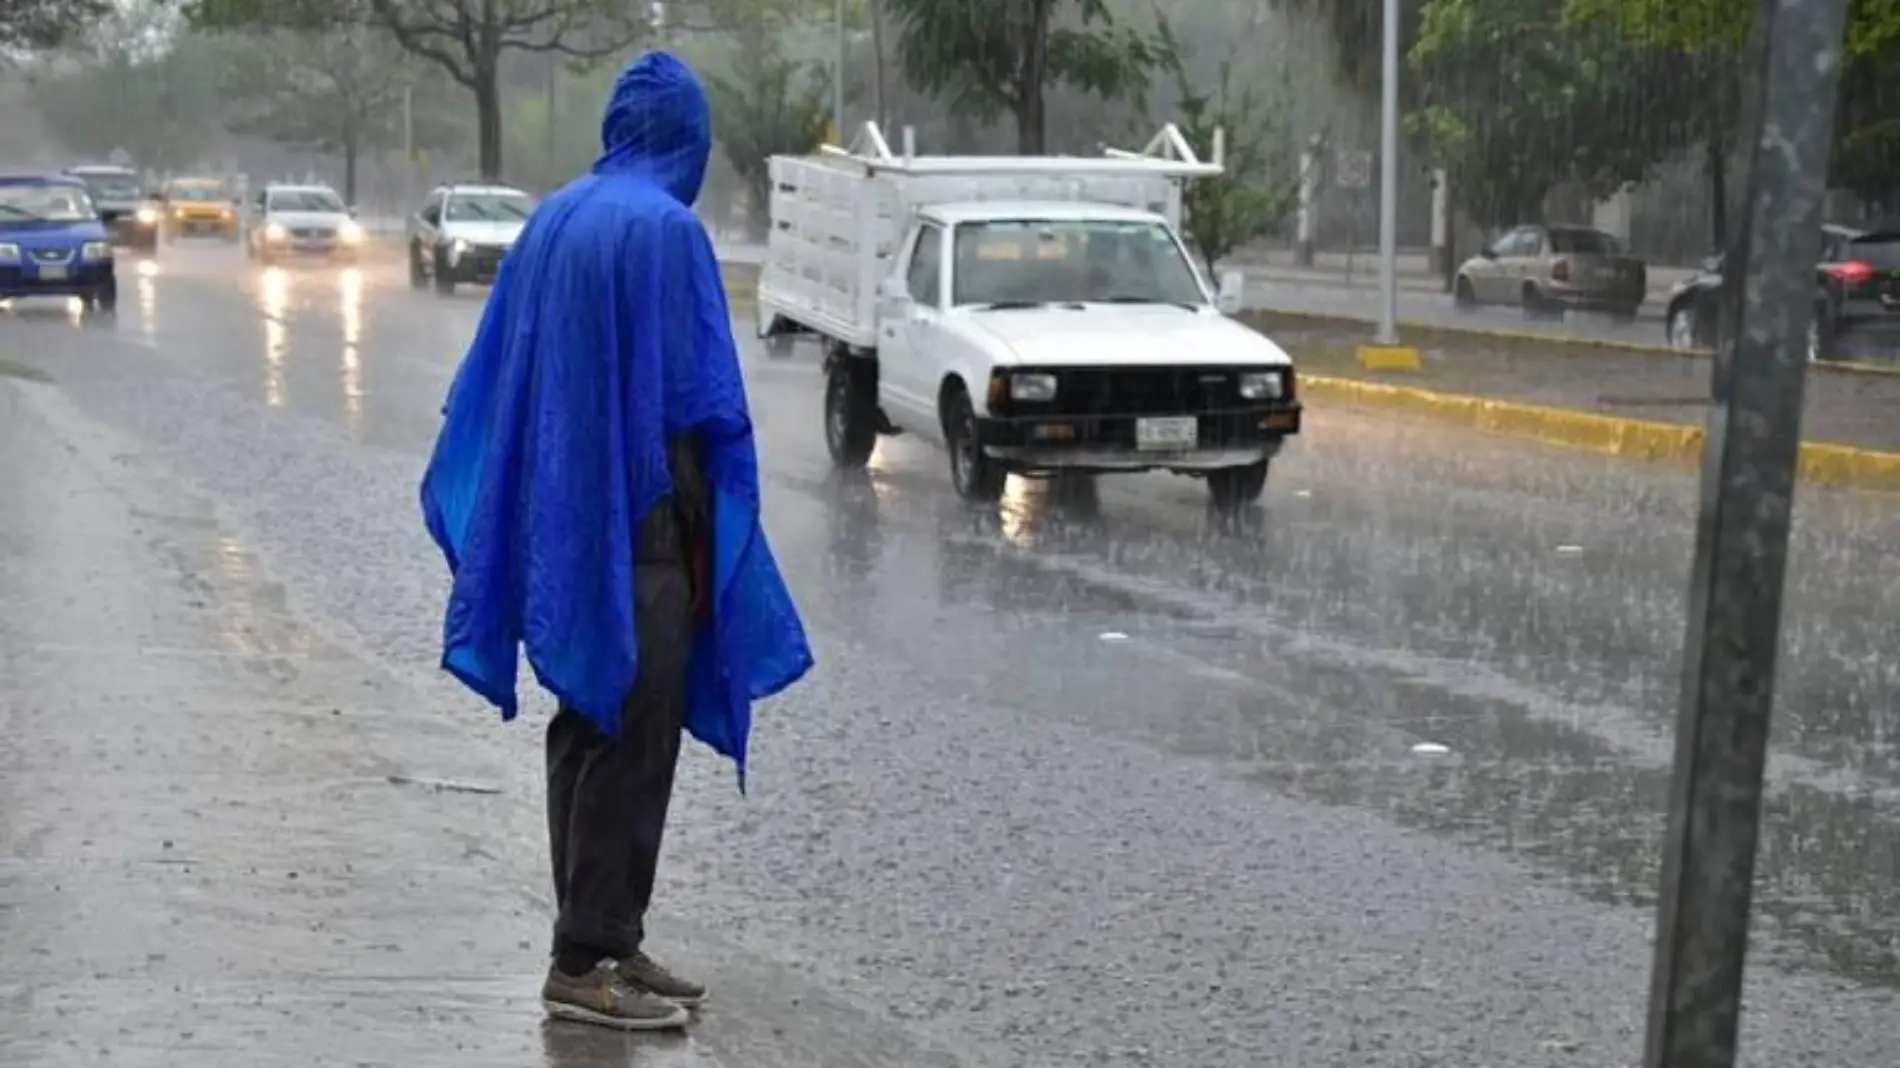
(1748, 476)
(1389, 182)
(837, 78)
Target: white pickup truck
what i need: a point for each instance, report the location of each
(1033, 315)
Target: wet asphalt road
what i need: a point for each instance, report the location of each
(1087, 779)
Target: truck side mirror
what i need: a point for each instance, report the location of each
(894, 288)
(1232, 295)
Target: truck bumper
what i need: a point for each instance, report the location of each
(1109, 443)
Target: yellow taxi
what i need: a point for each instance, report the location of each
(199, 206)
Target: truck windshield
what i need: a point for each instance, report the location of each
(48, 202)
(1070, 261)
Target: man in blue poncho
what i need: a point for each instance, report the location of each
(595, 491)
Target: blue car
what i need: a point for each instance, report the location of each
(52, 242)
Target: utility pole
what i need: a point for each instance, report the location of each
(1389, 182)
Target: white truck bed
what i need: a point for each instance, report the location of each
(838, 218)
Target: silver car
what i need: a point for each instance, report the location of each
(1547, 270)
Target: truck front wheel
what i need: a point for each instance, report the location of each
(976, 477)
(850, 412)
(1234, 488)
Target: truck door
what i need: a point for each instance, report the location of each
(908, 323)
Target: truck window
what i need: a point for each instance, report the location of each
(1069, 261)
(925, 267)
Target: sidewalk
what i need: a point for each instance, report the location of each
(229, 842)
(1361, 270)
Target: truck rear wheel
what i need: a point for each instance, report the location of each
(1234, 488)
(850, 411)
(976, 477)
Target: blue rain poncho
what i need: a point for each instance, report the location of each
(606, 336)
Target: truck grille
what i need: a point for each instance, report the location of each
(1086, 391)
(52, 255)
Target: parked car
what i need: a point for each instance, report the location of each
(308, 221)
(130, 216)
(52, 242)
(1548, 270)
(1856, 294)
(198, 206)
(463, 231)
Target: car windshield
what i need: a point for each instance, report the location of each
(489, 207)
(1584, 243)
(1059, 262)
(305, 200)
(44, 202)
(112, 186)
(198, 192)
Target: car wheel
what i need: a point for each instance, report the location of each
(975, 475)
(104, 299)
(1537, 306)
(850, 411)
(1463, 296)
(444, 274)
(1234, 488)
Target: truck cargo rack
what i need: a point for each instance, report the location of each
(840, 215)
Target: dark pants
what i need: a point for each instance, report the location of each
(607, 796)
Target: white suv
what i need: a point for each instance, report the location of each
(462, 232)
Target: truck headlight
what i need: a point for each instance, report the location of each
(351, 233)
(146, 216)
(1032, 387)
(1261, 385)
(97, 250)
(9, 252)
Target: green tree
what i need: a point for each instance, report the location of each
(136, 88)
(466, 39)
(777, 107)
(1512, 100)
(1256, 192)
(39, 24)
(996, 57)
(338, 91)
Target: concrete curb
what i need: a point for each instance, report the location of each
(1637, 439)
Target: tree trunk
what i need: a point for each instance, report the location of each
(1031, 82)
(1717, 164)
(350, 152)
(487, 90)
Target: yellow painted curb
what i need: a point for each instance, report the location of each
(1610, 435)
(1389, 358)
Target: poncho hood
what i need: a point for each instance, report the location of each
(658, 126)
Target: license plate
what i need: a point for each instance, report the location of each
(1172, 432)
(53, 274)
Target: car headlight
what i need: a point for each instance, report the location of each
(9, 252)
(1262, 385)
(275, 232)
(1032, 387)
(97, 250)
(350, 232)
(148, 216)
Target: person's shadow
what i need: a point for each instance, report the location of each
(565, 1044)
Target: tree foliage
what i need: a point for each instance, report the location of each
(1258, 190)
(465, 39)
(997, 57)
(338, 90)
(41, 24)
(135, 88)
(1512, 101)
(776, 106)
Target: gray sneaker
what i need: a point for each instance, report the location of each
(602, 998)
(642, 972)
